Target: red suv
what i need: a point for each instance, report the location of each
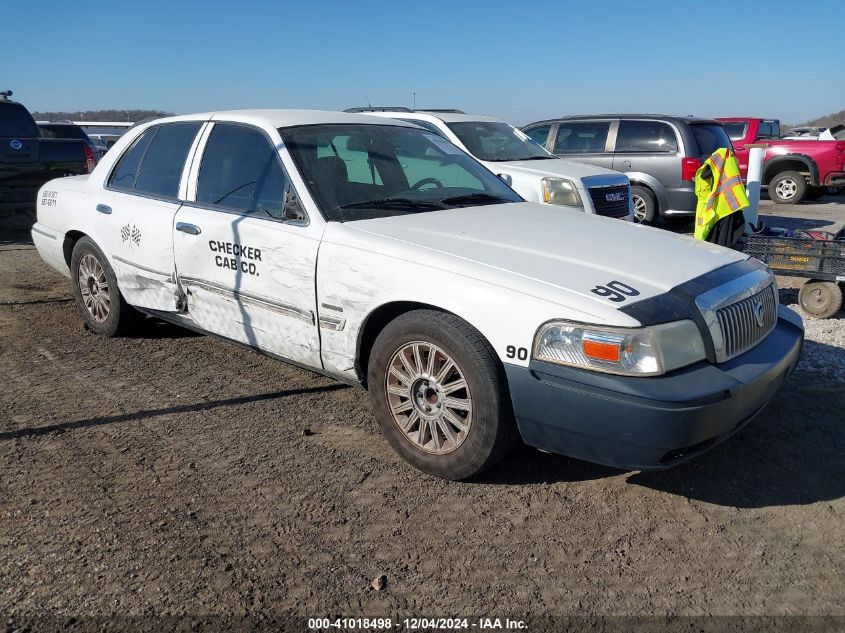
(793, 170)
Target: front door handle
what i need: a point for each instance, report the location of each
(104, 208)
(191, 229)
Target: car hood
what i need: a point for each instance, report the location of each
(557, 167)
(551, 252)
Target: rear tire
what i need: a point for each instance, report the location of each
(821, 299)
(94, 284)
(440, 395)
(787, 187)
(645, 205)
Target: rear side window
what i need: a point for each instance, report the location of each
(768, 129)
(539, 134)
(16, 121)
(161, 167)
(63, 131)
(153, 163)
(426, 124)
(581, 137)
(646, 137)
(735, 129)
(123, 176)
(709, 138)
(240, 170)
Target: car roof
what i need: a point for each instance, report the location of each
(647, 116)
(425, 115)
(277, 117)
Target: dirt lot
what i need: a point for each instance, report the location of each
(175, 475)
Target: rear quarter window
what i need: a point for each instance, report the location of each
(735, 130)
(709, 137)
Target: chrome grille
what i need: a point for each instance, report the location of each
(748, 321)
(611, 201)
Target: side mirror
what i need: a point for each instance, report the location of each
(506, 179)
(292, 210)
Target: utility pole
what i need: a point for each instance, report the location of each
(415, 100)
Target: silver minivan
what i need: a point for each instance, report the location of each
(659, 154)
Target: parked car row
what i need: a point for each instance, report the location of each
(379, 252)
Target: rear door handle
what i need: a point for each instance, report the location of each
(104, 208)
(191, 229)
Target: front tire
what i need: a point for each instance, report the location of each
(787, 187)
(440, 395)
(645, 205)
(98, 298)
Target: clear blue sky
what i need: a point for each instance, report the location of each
(519, 60)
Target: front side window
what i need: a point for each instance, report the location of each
(240, 170)
(153, 164)
(360, 171)
(539, 134)
(581, 137)
(496, 142)
(646, 137)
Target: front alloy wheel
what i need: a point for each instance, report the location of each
(428, 397)
(440, 394)
(640, 209)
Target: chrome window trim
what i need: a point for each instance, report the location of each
(710, 302)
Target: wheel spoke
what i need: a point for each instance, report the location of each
(409, 423)
(417, 360)
(402, 407)
(398, 391)
(454, 386)
(412, 371)
(455, 421)
(435, 435)
(403, 378)
(444, 371)
(462, 404)
(444, 426)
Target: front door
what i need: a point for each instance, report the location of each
(248, 271)
(140, 201)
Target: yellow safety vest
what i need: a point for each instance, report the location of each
(720, 195)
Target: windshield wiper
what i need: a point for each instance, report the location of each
(537, 158)
(392, 203)
(474, 198)
(513, 160)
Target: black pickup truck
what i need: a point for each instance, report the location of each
(27, 161)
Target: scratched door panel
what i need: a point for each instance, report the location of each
(250, 279)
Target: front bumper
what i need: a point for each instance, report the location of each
(651, 422)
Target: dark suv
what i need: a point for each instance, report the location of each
(659, 154)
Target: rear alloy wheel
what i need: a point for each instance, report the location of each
(788, 187)
(95, 289)
(440, 395)
(821, 299)
(645, 205)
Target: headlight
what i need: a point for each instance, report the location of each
(560, 191)
(645, 351)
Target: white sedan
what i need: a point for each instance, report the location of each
(380, 254)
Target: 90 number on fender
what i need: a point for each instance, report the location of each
(516, 352)
(616, 291)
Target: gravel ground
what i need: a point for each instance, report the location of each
(174, 476)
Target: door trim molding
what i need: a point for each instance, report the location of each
(251, 299)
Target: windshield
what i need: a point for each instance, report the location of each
(497, 142)
(360, 171)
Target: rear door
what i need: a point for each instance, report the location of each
(247, 269)
(138, 206)
(585, 141)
